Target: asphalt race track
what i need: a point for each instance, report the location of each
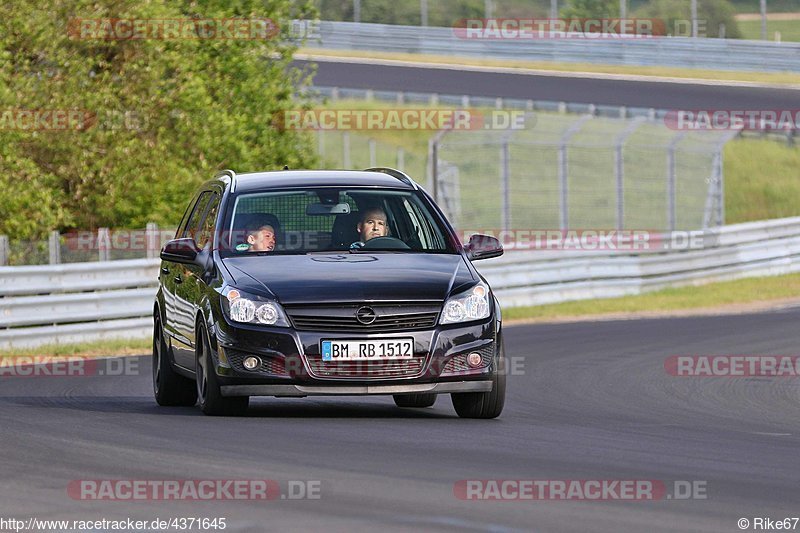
(664, 95)
(586, 401)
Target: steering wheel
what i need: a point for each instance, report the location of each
(386, 243)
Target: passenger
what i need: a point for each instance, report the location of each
(261, 239)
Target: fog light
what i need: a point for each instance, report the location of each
(251, 363)
(475, 360)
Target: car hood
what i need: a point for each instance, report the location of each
(336, 277)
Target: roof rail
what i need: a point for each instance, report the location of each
(402, 176)
(229, 173)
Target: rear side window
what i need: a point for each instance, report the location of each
(192, 228)
(206, 232)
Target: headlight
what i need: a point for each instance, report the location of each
(467, 306)
(251, 309)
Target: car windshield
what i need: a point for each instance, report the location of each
(330, 219)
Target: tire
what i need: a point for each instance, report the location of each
(414, 400)
(169, 387)
(484, 404)
(209, 396)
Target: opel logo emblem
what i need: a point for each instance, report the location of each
(366, 315)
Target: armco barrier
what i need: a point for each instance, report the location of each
(700, 53)
(89, 301)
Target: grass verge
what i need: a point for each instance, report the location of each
(770, 78)
(789, 29)
(729, 295)
(87, 349)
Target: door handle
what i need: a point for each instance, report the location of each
(178, 279)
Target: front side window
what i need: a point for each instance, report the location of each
(329, 219)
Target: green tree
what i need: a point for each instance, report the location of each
(164, 114)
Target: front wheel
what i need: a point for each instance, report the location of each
(414, 400)
(169, 387)
(484, 404)
(212, 402)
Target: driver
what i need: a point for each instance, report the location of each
(372, 224)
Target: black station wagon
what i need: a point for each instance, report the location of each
(300, 283)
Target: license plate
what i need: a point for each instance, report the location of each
(356, 350)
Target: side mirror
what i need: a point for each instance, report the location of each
(180, 251)
(483, 247)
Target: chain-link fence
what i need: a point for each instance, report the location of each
(103, 244)
(562, 171)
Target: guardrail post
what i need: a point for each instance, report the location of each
(505, 185)
(434, 99)
(346, 149)
(334, 94)
(498, 103)
(153, 243)
(401, 98)
(671, 179)
(369, 95)
(4, 250)
(373, 156)
(434, 186)
(619, 168)
(104, 244)
(563, 171)
(465, 101)
(671, 187)
(401, 159)
(321, 143)
(563, 185)
(54, 245)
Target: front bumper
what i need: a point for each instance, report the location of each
(292, 362)
(300, 391)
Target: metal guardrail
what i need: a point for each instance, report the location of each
(77, 302)
(88, 301)
(700, 53)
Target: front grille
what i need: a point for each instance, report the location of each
(458, 363)
(366, 369)
(275, 366)
(388, 318)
